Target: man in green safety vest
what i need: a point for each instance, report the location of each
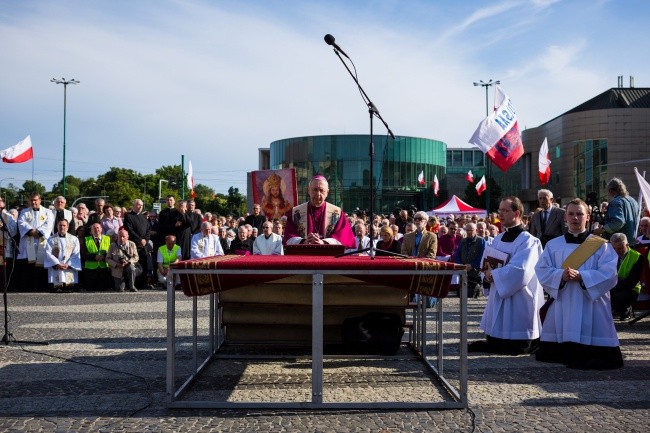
(95, 274)
(167, 254)
(630, 265)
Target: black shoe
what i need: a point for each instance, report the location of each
(627, 314)
(132, 289)
(478, 346)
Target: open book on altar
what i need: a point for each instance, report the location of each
(494, 257)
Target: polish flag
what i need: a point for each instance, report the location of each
(498, 134)
(469, 176)
(436, 185)
(544, 164)
(481, 186)
(21, 152)
(421, 178)
(190, 179)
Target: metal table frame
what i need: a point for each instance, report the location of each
(418, 345)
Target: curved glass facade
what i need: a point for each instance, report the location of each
(345, 161)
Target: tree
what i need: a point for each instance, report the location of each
(10, 194)
(30, 187)
(121, 185)
(72, 188)
(204, 196)
(235, 202)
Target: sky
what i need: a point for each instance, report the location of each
(217, 80)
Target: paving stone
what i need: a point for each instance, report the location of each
(117, 380)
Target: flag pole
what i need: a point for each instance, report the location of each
(487, 160)
(182, 177)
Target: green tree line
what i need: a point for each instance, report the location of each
(120, 186)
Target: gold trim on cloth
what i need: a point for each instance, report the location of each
(583, 252)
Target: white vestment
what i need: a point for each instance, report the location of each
(12, 229)
(268, 247)
(205, 246)
(515, 296)
(62, 250)
(578, 315)
(33, 248)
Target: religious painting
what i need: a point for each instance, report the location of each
(275, 191)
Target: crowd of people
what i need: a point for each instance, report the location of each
(547, 261)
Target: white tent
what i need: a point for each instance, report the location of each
(455, 206)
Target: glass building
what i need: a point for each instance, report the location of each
(345, 161)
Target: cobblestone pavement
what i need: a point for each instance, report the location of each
(104, 370)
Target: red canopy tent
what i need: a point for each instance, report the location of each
(455, 206)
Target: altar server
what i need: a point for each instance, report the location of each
(511, 320)
(578, 270)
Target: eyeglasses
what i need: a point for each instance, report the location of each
(418, 219)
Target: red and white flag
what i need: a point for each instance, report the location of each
(421, 178)
(21, 152)
(544, 164)
(469, 176)
(498, 134)
(481, 186)
(436, 185)
(644, 188)
(190, 179)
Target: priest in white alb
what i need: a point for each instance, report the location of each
(205, 243)
(268, 243)
(35, 225)
(62, 258)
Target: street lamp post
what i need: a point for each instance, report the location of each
(487, 161)
(160, 188)
(65, 95)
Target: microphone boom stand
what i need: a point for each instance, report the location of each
(8, 337)
(372, 111)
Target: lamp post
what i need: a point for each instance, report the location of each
(487, 161)
(65, 94)
(160, 188)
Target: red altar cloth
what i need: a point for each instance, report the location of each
(252, 272)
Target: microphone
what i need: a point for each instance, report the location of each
(329, 39)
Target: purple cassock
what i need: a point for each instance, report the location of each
(329, 221)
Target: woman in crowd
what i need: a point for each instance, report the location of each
(387, 242)
(110, 223)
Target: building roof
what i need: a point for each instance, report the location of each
(631, 97)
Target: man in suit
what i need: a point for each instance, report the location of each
(548, 223)
(420, 243)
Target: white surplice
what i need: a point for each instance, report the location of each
(515, 296)
(578, 315)
(268, 247)
(62, 250)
